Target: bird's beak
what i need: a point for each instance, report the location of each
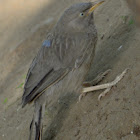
(95, 5)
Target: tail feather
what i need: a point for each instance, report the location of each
(31, 129)
(36, 125)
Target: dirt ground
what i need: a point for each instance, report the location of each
(24, 25)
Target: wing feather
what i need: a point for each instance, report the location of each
(52, 63)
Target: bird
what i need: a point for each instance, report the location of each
(62, 62)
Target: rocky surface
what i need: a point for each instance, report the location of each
(24, 25)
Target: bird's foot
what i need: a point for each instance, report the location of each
(106, 86)
(94, 82)
(111, 84)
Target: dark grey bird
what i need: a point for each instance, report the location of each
(62, 62)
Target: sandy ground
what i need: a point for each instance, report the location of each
(24, 25)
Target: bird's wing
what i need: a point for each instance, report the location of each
(55, 59)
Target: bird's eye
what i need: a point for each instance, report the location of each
(81, 14)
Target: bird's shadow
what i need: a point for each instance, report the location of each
(110, 49)
(62, 112)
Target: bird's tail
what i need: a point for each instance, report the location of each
(36, 125)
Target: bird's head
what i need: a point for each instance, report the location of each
(78, 17)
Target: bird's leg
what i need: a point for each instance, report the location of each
(94, 82)
(106, 86)
(36, 124)
(97, 80)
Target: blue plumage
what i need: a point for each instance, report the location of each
(46, 43)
